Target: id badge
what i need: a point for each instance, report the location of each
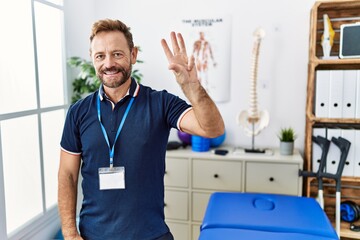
(112, 178)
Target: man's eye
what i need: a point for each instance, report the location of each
(99, 57)
(117, 55)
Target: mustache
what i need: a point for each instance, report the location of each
(113, 69)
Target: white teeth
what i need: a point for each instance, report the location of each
(110, 72)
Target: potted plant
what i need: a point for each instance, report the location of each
(287, 137)
(87, 82)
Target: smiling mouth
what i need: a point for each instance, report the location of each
(111, 71)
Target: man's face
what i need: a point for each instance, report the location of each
(112, 58)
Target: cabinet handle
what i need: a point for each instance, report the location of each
(271, 179)
(216, 175)
(165, 205)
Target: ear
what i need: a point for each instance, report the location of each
(133, 54)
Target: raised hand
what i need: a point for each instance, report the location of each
(184, 68)
(204, 119)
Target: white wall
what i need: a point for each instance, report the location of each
(282, 73)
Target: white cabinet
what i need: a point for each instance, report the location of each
(177, 205)
(177, 172)
(199, 203)
(191, 177)
(216, 175)
(272, 177)
(180, 230)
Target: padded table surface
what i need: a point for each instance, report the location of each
(267, 213)
(243, 234)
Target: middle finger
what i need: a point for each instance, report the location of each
(182, 44)
(174, 43)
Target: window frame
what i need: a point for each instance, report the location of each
(48, 215)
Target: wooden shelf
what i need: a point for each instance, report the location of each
(340, 12)
(324, 64)
(345, 231)
(341, 62)
(350, 179)
(351, 121)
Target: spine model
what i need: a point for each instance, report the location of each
(253, 120)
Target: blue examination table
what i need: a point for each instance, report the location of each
(258, 216)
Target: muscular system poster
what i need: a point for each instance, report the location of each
(209, 41)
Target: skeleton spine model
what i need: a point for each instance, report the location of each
(253, 120)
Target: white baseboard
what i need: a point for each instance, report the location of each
(43, 227)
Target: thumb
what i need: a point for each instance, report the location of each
(175, 67)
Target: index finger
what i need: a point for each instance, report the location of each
(167, 50)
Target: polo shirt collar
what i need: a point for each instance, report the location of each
(132, 91)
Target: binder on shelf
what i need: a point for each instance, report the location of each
(357, 104)
(322, 91)
(349, 93)
(349, 134)
(336, 94)
(316, 149)
(357, 154)
(334, 153)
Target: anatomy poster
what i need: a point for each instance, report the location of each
(209, 41)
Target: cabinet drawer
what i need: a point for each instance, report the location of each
(199, 205)
(216, 175)
(179, 230)
(176, 174)
(176, 205)
(195, 231)
(272, 178)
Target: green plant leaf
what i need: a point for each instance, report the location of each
(74, 61)
(287, 135)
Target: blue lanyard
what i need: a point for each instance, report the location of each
(111, 149)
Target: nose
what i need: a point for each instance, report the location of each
(109, 61)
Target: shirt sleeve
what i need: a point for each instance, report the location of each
(181, 117)
(177, 108)
(70, 141)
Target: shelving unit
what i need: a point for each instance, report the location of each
(340, 12)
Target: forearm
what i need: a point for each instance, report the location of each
(206, 112)
(67, 196)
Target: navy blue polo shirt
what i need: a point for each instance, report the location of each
(136, 212)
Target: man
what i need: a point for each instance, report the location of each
(120, 133)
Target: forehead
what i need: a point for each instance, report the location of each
(109, 41)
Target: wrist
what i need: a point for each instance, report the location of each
(70, 234)
(194, 91)
(72, 237)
